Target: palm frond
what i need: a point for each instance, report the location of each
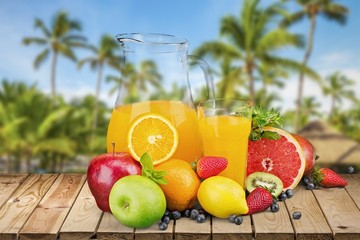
(217, 50)
(61, 145)
(292, 19)
(336, 13)
(292, 65)
(92, 61)
(49, 122)
(30, 40)
(278, 38)
(66, 51)
(40, 24)
(230, 28)
(41, 58)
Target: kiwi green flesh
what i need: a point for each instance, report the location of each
(265, 180)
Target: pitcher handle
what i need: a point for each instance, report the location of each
(209, 79)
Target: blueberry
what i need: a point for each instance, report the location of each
(289, 193)
(306, 180)
(274, 207)
(165, 219)
(232, 218)
(282, 196)
(202, 211)
(238, 220)
(175, 215)
(194, 213)
(350, 170)
(186, 213)
(167, 213)
(201, 218)
(163, 226)
(274, 201)
(296, 215)
(310, 186)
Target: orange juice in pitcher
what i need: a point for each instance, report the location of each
(181, 116)
(154, 88)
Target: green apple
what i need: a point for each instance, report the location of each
(137, 202)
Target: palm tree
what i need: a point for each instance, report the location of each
(104, 55)
(312, 9)
(250, 41)
(59, 39)
(338, 87)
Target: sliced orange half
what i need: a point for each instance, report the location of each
(154, 134)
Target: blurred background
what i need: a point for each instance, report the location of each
(57, 66)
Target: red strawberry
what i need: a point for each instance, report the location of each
(259, 200)
(209, 166)
(328, 178)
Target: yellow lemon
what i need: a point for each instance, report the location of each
(154, 134)
(222, 197)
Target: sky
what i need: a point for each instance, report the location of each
(336, 47)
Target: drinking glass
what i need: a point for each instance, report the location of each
(225, 125)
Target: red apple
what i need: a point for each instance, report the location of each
(309, 152)
(104, 170)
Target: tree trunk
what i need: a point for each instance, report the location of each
(52, 78)
(97, 95)
(301, 75)
(249, 71)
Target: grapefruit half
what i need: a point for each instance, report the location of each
(283, 158)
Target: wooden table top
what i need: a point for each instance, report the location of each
(60, 206)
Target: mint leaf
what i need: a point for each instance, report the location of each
(149, 171)
(146, 163)
(262, 118)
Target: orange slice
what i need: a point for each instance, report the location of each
(154, 134)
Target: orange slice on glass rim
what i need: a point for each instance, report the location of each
(154, 134)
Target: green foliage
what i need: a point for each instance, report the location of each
(262, 118)
(149, 171)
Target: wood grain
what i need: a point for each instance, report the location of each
(21, 204)
(111, 229)
(185, 229)
(341, 213)
(47, 218)
(353, 188)
(8, 184)
(312, 224)
(222, 229)
(154, 233)
(269, 225)
(83, 218)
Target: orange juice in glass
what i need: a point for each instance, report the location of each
(182, 116)
(225, 125)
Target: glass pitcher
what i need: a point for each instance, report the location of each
(155, 80)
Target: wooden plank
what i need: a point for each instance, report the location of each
(111, 229)
(19, 207)
(269, 225)
(312, 224)
(340, 211)
(49, 215)
(8, 184)
(154, 233)
(353, 187)
(222, 229)
(186, 229)
(83, 218)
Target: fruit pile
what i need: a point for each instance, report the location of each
(145, 185)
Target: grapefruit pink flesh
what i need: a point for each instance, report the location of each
(283, 158)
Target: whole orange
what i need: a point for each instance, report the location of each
(183, 184)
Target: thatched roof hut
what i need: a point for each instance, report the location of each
(332, 147)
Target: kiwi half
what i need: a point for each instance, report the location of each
(265, 180)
